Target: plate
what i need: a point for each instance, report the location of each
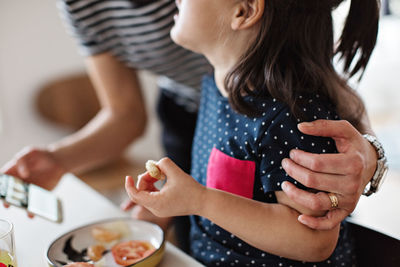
(71, 246)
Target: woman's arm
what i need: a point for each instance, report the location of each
(270, 227)
(122, 118)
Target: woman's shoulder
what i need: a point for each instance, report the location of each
(101, 25)
(85, 10)
(131, 3)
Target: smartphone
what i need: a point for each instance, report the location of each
(35, 199)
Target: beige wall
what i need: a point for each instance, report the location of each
(34, 48)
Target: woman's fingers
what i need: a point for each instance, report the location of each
(338, 163)
(22, 168)
(35, 166)
(29, 214)
(10, 168)
(321, 202)
(319, 181)
(327, 222)
(314, 201)
(329, 128)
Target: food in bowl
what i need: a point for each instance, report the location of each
(110, 244)
(130, 252)
(104, 235)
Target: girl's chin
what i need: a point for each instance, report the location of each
(173, 34)
(179, 39)
(176, 36)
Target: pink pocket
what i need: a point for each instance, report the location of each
(229, 174)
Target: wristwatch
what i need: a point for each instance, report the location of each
(381, 166)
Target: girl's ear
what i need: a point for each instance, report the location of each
(247, 13)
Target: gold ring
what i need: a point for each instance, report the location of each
(334, 200)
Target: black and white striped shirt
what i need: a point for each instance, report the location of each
(138, 34)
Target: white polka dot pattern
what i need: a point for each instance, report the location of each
(266, 140)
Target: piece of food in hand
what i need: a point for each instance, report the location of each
(153, 170)
(102, 234)
(95, 252)
(79, 264)
(130, 252)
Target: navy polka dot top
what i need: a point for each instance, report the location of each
(242, 155)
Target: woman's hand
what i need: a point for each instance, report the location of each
(346, 174)
(180, 195)
(37, 166)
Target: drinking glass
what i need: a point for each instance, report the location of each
(7, 244)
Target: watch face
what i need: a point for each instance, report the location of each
(382, 175)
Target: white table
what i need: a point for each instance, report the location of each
(381, 211)
(81, 205)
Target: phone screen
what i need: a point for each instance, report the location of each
(35, 199)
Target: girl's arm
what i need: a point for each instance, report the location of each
(270, 227)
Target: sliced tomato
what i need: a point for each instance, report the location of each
(130, 252)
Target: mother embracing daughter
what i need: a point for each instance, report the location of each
(273, 68)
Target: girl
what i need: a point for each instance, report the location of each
(272, 69)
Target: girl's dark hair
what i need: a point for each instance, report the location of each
(293, 55)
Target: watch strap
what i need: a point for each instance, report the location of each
(381, 166)
(376, 144)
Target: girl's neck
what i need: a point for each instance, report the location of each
(223, 62)
(219, 76)
(226, 54)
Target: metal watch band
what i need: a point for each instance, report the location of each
(376, 144)
(381, 167)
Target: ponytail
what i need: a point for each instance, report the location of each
(293, 54)
(359, 35)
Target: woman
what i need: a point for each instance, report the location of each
(119, 37)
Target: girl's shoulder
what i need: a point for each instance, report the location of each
(309, 107)
(278, 124)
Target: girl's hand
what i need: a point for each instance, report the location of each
(141, 213)
(346, 174)
(180, 195)
(34, 165)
